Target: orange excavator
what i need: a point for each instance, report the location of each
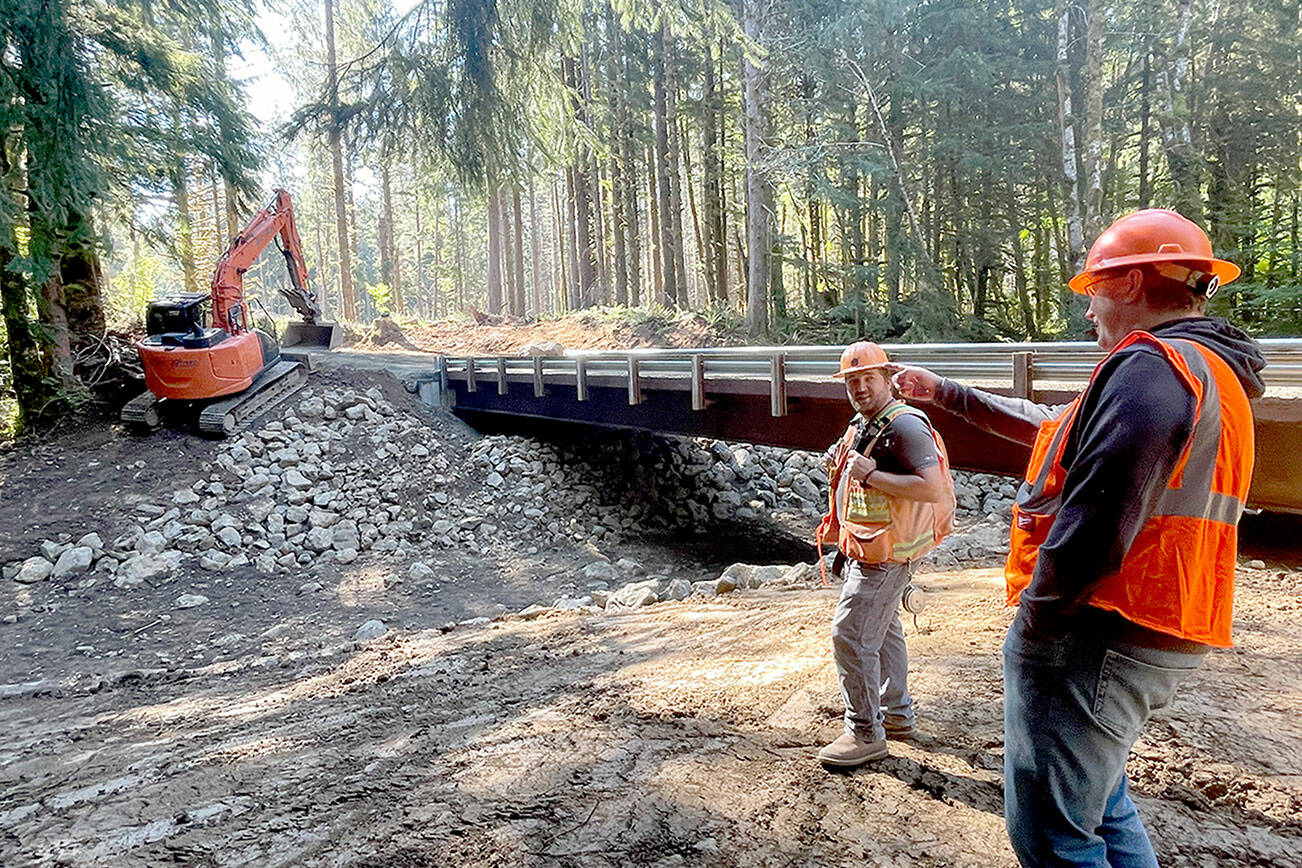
(227, 371)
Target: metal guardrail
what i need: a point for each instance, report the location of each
(1020, 366)
(785, 396)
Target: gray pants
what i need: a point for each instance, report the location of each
(872, 661)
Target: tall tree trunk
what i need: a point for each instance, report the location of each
(619, 176)
(323, 296)
(184, 226)
(1092, 202)
(494, 280)
(1173, 118)
(655, 241)
(1067, 129)
(347, 297)
(364, 300)
(535, 251)
(216, 208)
(82, 275)
(699, 249)
(1020, 283)
(759, 191)
(895, 207)
(573, 281)
(521, 306)
(228, 188)
(600, 228)
(628, 202)
(419, 303)
(26, 366)
(674, 170)
(384, 234)
(559, 247)
(395, 254)
(669, 252)
(1145, 113)
(581, 189)
(459, 247)
(438, 302)
(712, 197)
(506, 234)
(619, 230)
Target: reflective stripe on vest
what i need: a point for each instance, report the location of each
(1178, 576)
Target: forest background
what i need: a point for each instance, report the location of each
(806, 170)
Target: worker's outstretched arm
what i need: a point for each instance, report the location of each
(1014, 419)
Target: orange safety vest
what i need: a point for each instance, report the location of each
(873, 527)
(1178, 576)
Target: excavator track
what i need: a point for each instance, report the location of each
(223, 418)
(143, 412)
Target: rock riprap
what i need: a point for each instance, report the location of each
(343, 473)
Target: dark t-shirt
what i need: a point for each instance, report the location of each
(905, 447)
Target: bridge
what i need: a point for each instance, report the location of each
(786, 396)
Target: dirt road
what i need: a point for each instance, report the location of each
(680, 734)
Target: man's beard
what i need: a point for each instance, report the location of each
(864, 407)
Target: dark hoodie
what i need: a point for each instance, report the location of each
(1120, 453)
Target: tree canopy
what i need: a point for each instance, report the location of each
(825, 168)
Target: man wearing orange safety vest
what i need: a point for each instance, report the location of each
(1124, 534)
(891, 501)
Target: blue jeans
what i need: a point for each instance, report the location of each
(1073, 708)
(872, 661)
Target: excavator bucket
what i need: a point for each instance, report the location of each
(309, 336)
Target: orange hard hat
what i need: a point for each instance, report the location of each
(1154, 235)
(861, 356)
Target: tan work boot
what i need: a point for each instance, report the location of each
(899, 730)
(849, 751)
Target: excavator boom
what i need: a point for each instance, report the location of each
(228, 309)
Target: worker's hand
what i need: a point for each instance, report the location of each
(859, 466)
(913, 383)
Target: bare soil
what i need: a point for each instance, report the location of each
(574, 331)
(679, 734)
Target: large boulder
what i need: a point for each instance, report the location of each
(319, 539)
(634, 595)
(34, 569)
(50, 550)
(74, 561)
(372, 629)
(142, 568)
(598, 571)
(151, 543)
(678, 589)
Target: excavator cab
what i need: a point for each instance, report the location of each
(178, 321)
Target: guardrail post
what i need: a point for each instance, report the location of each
(471, 386)
(778, 385)
(537, 377)
(698, 382)
(443, 375)
(1022, 374)
(501, 375)
(634, 382)
(581, 379)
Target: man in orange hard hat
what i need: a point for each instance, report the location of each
(1124, 534)
(891, 500)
